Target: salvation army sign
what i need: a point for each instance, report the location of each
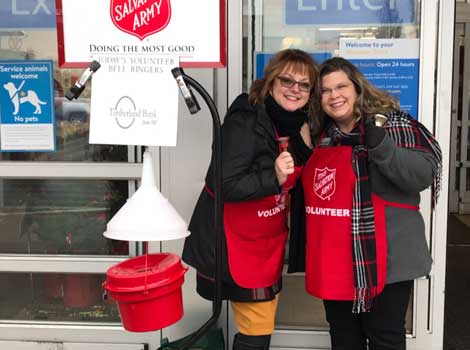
(140, 18)
(192, 30)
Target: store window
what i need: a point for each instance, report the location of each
(72, 121)
(72, 117)
(319, 27)
(55, 297)
(60, 216)
(57, 223)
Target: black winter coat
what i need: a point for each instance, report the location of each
(249, 150)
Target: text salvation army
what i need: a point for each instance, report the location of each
(141, 17)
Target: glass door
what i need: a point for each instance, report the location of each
(325, 29)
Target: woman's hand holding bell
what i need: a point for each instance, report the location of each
(284, 165)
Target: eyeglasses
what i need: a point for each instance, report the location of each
(289, 83)
(340, 88)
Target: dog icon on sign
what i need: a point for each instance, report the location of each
(18, 97)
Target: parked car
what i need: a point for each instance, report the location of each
(72, 111)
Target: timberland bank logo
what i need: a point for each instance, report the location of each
(141, 18)
(126, 113)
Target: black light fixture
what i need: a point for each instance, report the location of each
(185, 84)
(80, 84)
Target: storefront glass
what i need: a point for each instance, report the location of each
(54, 297)
(55, 224)
(60, 216)
(72, 117)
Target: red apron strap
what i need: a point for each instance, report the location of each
(401, 205)
(208, 190)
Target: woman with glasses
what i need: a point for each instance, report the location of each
(257, 173)
(365, 238)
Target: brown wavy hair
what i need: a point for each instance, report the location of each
(370, 100)
(297, 61)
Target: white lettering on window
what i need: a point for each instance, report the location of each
(354, 6)
(372, 7)
(15, 11)
(39, 5)
(302, 7)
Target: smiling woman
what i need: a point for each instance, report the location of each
(258, 173)
(370, 163)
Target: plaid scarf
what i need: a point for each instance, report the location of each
(407, 133)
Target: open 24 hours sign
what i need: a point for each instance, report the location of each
(192, 30)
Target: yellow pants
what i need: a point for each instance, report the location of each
(255, 318)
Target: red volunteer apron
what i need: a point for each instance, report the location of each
(256, 233)
(328, 180)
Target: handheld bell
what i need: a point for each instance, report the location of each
(380, 119)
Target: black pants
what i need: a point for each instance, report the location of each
(383, 328)
(251, 342)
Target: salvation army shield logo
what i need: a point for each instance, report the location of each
(324, 182)
(140, 18)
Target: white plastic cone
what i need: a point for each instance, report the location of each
(147, 215)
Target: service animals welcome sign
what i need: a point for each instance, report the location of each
(192, 30)
(27, 106)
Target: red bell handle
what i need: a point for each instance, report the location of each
(283, 142)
